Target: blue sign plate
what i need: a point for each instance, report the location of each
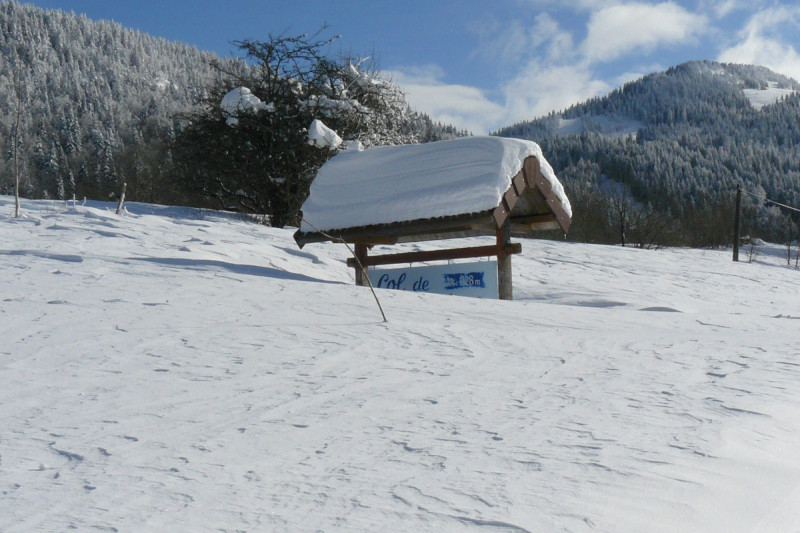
(478, 279)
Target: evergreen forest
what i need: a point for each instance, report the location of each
(87, 106)
(659, 160)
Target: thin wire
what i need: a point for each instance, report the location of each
(771, 201)
(363, 270)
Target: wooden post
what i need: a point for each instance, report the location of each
(121, 198)
(504, 285)
(361, 255)
(736, 223)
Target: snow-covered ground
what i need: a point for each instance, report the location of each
(177, 370)
(761, 97)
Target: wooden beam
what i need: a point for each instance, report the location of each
(534, 176)
(520, 230)
(531, 172)
(362, 255)
(509, 199)
(438, 255)
(531, 220)
(407, 231)
(504, 285)
(525, 224)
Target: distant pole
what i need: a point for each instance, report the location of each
(121, 203)
(736, 223)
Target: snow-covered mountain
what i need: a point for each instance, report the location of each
(690, 92)
(101, 105)
(171, 369)
(679, 143)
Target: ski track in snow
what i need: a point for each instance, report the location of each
(176, 370)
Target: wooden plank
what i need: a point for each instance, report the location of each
(534, 174)
(519, 183)
(390, 234)
(485, 231)
(508, 202)
(437, 255)
(509, 199)
(532, 220)
(530, 167)
(500, 214)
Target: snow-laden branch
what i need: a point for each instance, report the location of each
(242, 100)
(322, 136)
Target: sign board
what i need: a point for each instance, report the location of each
(478, 280)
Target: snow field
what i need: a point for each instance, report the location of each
(171, 369)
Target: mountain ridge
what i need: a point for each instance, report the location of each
(102, 104)
(691, 136)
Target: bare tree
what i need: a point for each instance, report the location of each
(257, 158)
(19, 91)
(621, 206)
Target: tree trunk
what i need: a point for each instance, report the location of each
(16, 160)
(505, 290)
(18, 91)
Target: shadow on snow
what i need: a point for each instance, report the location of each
(247, 270)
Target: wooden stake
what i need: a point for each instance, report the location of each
(122, 198)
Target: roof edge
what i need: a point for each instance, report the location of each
(390, 233)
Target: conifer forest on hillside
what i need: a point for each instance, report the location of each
(87, 106)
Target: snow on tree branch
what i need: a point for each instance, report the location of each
(322, 136)
(242, 100)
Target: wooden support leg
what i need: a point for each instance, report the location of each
(361, 254)
(504, 285)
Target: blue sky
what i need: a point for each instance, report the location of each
(483, 64)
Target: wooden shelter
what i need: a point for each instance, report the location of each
(466, 187)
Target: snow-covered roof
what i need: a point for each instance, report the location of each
(388, 185)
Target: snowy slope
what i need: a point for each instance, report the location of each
(761, 97)
(176, 370)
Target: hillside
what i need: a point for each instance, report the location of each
(172, 369)
(675, 144)
(100, 105)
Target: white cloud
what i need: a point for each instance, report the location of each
(534, 92)
(625, 28)
(538, 90)
(546, 31)
(726, 7)
(761, 42)
(722, 8)
(540, 68)
(579, 5)
(515, 41)
(463, 106)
